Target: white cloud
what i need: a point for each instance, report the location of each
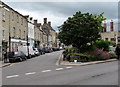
(55, 20)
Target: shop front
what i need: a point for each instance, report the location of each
(16, 42)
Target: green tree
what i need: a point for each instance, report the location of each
(81, 29)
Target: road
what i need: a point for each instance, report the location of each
(43, 70)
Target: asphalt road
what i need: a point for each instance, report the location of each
(42, 70)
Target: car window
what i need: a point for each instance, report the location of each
(10, 54)
(16, 53)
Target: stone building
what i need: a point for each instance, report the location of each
(40, 35)
(37, 33)
(50, 32)
(111, 32)
(13, 26)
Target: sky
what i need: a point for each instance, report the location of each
(58, 12)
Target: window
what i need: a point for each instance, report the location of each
(3, 15)
(17, 19)
(12, 16)
(106, 39)
(19, 33)
(24, 34)
(3, 33)
(13, 31)
(21, 21)
(35, 34)
(112, 39)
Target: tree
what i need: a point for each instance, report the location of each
(81, 29)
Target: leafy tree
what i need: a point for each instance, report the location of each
(81, 29)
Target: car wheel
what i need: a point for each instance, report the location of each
(30, 56)
(20, 59)
(25, 58)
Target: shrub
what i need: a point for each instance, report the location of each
(104, 45)
(80, 57)
(99, 54)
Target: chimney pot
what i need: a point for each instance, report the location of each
(105, 26)
(111, 25)
(45, 20)
(49, 23)
(35, 22)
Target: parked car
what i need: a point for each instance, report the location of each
(16, 56)
(55, 48)
(48, 49)
(41, 50)
(61, 48)
(26, 49)
(36, 52)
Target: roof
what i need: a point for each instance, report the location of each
(12, 9)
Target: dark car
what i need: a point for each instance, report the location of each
(55, 48)
(16, 56)
(41, 50)
(48, 49)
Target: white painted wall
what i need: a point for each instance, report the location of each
(31, 34)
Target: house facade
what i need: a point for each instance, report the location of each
(50, 32)
(111, 32)
(30, 34)
(19, 30)
(13, 27)
(4, 28)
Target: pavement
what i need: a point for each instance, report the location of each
(61, 62)
(2, 64)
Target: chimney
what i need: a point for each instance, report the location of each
(35, 22)
(45, 20)
(105, 26)
(39, 24)
(49, 23)
(111, 25)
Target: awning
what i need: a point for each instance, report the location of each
(17, 40)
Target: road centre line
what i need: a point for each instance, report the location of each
(59, 69)
(12, 76)
(69, 67)
(30, 73)
(46, 70)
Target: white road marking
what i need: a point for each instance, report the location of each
(30, 73)
(69, 67)
(59, 69)
(12, 76)
(46, 70)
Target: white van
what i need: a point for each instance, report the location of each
(25, 50)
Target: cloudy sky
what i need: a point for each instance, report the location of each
(58, 12)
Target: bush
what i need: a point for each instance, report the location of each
(99, 54)
(104, 45)
(80, 57)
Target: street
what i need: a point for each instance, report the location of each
(43, 70)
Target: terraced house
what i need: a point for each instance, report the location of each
(50, 32)
(13, 27)
(18, 30)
